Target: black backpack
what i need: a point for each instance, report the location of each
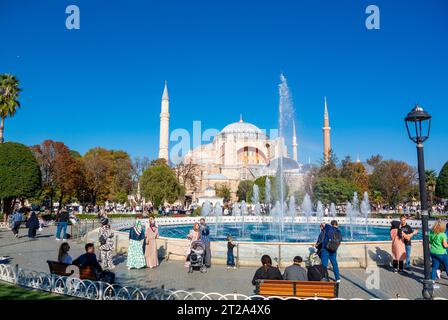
(334, 240)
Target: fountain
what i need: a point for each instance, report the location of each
(365, 210)
(206, 208)
(307, 210)
(292, 211)
(256, 203)
(243, 213)
(217, 210)
(267, 196)
(292, 208)
(285, 115)
(333, 210)
(319, 212)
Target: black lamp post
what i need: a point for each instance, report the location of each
(418, 125)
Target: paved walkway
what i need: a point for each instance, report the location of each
(356, 282)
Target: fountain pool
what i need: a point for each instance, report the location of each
(263, 232)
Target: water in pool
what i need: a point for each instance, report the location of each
(266, 232)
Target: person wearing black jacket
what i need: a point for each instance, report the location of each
(32, 224)
(89, 259)
(316, 271)
(62, 222)
(267, 271)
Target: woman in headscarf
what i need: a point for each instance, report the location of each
(32, 224)
(152, 233)
(136, 258)
(398, 246)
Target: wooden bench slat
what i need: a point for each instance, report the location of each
(302, 289)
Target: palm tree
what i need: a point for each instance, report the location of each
(9, 93)
(431, 178)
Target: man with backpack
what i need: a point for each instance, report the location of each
(331, 240)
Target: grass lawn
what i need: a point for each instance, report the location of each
(11, 292)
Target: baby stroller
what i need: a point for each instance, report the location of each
(196, 256)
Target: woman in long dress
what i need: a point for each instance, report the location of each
(32, 224)
(398, 247)
(193, 235)
(136, 258)
(152, 233)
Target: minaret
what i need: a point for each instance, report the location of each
(326, 128)
(294, 141)
(164, 124)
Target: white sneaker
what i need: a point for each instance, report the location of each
(338, 281)
(64, 239)
(57, 239)
(436, 286)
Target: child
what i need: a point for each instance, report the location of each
(230, 257)
(41, 221)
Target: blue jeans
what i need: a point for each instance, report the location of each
(408, 256)
(62, 226)
(437, 260)
(325, 255)
(230, 259)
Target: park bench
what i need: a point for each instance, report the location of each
(59, 268)
(300, 289)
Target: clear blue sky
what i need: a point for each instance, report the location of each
(101, 85)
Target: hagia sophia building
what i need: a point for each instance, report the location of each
(240, 151)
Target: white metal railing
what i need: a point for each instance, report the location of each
(98, 290)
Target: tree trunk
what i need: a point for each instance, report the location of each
(2, 128)
(51, 204)
(8, 204)
(60, 202)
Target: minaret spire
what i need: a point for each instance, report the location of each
(326, 129)
(294, 141)
(165, 92)
(164, 124)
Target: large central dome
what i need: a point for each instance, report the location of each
(243, 128)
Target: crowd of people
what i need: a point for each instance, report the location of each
(142, 248)
(324, 250)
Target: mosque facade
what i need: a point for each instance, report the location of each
(240, 151)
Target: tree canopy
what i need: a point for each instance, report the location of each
(336, 190)
(394, 179)
(159, 184)
(20, 176)
(442, 182)
(62, 175)
(9, 95)
(108, 174)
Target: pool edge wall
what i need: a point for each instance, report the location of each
(350, 254)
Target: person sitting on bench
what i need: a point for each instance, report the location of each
(89, 259)
(316, 271)
(267, 271)
(295, 271)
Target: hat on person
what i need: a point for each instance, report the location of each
(104, 221)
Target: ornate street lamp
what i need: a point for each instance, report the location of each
(418, 125)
